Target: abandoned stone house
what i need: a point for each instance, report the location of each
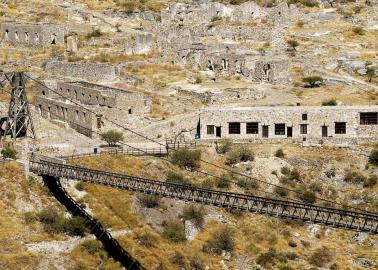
(97, 72)
(229, 59)
(301, 123)
(40, 35)
(71, 106)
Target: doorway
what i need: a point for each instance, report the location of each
(324, 131)
(265, 131)
(218, 132)
(289, 132)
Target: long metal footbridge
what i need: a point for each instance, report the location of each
(333, 217)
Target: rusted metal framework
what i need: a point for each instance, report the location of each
(19, 122)
(333, 217)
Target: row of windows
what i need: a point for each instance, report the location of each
(279, 129)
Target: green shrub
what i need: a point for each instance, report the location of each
(240, 154)
(354, 177)
(94, 33)
(79, 186)
(270, 258)
(9, 152)
(358, 30)
(285, 170)
(178, 178)
(293, 44)
(248, 184)
(299, 23)
(174, 231)
(196, 262)
(224, 146)
(307, 196)
(148, 200)
(186, 158)
(30, 217)
(279, 153)
(194, 213)
(313, 81)
(329, 102)
(221, 239)
(75, 226)
(52, 220)
(310, 3)
(178, 258)
(224, 181)
(373, 157)
(92, 246)
(320, 257)
(331, 173)
(147, 239)
(282, 192)
(112, 137)
(371, 181)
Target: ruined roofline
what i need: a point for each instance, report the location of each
(293, 108)
(102, 88)
(30, 24)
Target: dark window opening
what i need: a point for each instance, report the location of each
(210, 130)
(234, 128)
(53, 42)
(130, 111)
(369, 118)
(279, 129)
(340, 128)
(324, 131)
(253, 128)
(265, 131)
(44, 93)
(303, 128)
(304, 116)
(7, 34)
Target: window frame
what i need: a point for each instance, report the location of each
(281, 127)
(367, 121)
(210, 129)
(340, 130)
(234, 130)
(252, 128)
(304, 116)
(303, 129)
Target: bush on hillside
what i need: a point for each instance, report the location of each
(186, 158)
(221, 239)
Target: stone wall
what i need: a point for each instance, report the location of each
(32, 34)
(62, 110)
(81, 70)
(318, 121)
(268, 68)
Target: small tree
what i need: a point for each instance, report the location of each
(178, 178)
(358, 30)
(313, 81)
(194, 213)
(9, 152)
(293, 44)
(279, 153)
(307, 196)
(75, 226)
(221, 239)
(112, 137)
(148, 200)
(329, 102)
(186, 158)
(224, 146)
(320, 257)
(370, 73)
(373, 157)
(174, 230)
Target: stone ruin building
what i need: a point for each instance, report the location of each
(189, 36)
(302, 123)
(123, 106)
(28, 34)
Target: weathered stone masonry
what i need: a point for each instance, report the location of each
(301, 123)
(32, 34)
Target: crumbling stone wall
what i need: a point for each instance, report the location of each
(86, 71)
(94, 94)
(320, 122)
(62, 110)
(32, 34)
(266, 68)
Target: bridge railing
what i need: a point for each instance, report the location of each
(279, 208)
(127, 151)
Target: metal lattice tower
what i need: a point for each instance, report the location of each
(19, 122)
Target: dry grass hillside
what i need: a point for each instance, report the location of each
(270, 242)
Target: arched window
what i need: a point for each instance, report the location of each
(26, 36)
(36, 37)
(16, 35)
(53, 39)
(6, 34)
